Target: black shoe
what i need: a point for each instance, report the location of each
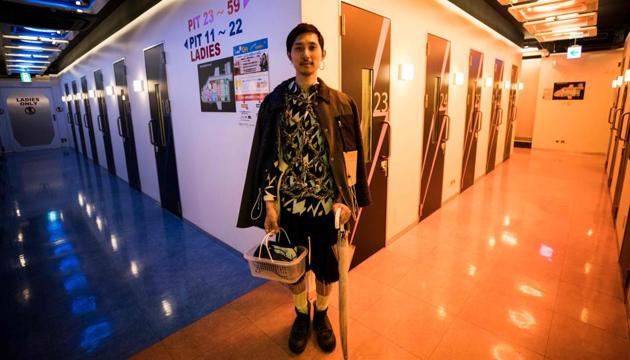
(300, 331)
(324, 331)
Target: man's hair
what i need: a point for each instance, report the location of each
(300, 29)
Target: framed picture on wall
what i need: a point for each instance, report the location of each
(216, 85)
(569, 90)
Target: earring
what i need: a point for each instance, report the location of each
(322, 66)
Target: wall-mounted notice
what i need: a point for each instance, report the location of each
(569, 90)
(209, 27)
(216, 85)
(251, 70)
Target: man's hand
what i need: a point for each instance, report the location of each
(271, 220)
(345, 212)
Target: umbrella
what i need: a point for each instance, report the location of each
(344, 252)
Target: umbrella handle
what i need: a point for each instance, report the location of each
(337, 218)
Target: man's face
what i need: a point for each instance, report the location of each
(306, 54)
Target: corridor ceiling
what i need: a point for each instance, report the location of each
(612, 21)
(45, 36)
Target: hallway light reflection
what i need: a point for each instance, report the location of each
(167, 308)
(74, 282)
(546, 251)
(441, 312)
(61, 215)
(528, 290)
(26, 295)
(114, 242)
(492, 242)
(81, 200)
(22, 260)
(589, 232)
(522, 319)
(88, 210)
(52, 216)
(472, 270)
(506, 220)
(504, 352)
(18, 213)
(99, 223)
(134, 269)
(20, 237)
(587, 268)
(584, 315)
(509, 239)
(94, 335)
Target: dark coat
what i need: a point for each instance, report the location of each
(338, 118)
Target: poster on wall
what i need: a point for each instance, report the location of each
(251, 79)
(569, 90)
(216, 85)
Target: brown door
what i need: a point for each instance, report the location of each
(436, 127)
(507, 150)
(473, 118)
(496, 115)
(618, 128)
(365, 68)
(613, 115)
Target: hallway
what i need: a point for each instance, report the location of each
(523, 265)
(93, 268)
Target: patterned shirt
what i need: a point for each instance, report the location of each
(307, 185)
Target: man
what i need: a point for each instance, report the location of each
(306, 163)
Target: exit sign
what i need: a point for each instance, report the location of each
(574, 52)
(25, 77)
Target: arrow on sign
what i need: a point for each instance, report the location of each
(186, 44)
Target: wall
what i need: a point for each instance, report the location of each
(45, 87)
(411, 21)
(581, 124)
(526, 114)
(211, 148)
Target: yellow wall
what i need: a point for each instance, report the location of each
(530, 75)
(582, 124)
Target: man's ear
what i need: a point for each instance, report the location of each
(289, 56)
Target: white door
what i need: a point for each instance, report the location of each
(29, 120)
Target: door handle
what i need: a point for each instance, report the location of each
(151, 136)
(77, 120)
(499, 117)
(610, 113)
(85, 121)
(619, 134)
(120, 133)
(615, 123)
(514, 113)
(69, 118)
(479, 122)
(447, 129)
(98, 121)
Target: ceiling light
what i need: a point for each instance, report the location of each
(574, 33)
(28, 61)
(558, 23)
(27, 66)
(511, 2)
(35, 38)
(25, 47)
(542, 9)
(27, 55)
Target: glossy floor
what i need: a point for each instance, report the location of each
(520, 266)
(93, 268)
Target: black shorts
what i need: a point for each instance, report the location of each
(323, 236)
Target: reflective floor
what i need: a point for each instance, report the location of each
(520, 266)
(92, 268)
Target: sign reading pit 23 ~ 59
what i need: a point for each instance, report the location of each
(207, 28)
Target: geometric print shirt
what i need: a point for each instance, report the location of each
(307, 186)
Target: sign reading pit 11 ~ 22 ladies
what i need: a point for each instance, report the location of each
(208, 28)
